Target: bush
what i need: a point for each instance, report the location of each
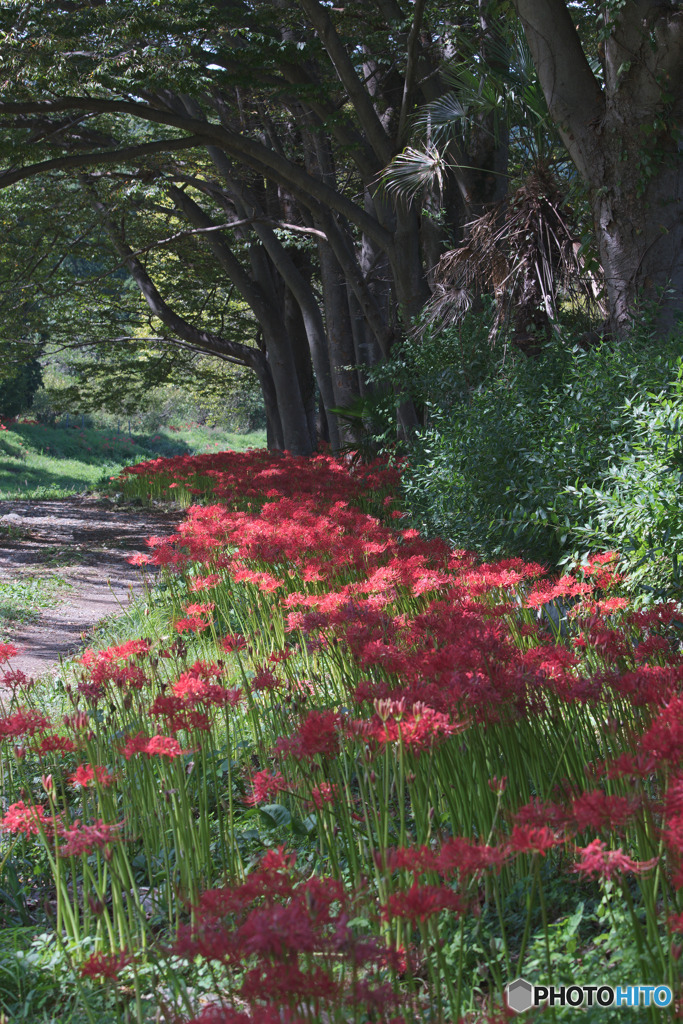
(637, 509)
(511, 463)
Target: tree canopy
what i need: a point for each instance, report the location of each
(274, 182)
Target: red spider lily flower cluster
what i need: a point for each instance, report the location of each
(291, 938)
(106, 966)
(88, 774)
(375, 669)
(165, 746)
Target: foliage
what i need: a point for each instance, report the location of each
(522, 251)
(637, 507)
(151, 388)
(17, 391)
(503, 457)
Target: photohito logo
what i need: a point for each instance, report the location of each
(522, 995)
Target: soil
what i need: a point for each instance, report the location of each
(84, 542)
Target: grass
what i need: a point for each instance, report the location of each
(38, 461)
(22, 599)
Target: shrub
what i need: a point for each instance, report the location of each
(504, 456)
(637, 508)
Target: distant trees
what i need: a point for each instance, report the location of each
(18, 388)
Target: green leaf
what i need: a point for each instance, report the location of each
(275, 816)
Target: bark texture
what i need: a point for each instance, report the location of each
(625, 139)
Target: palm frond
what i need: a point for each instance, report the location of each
(524, 252)
(414, 171)
(443, 111)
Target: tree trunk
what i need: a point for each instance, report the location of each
(292, 431)
(625, 141)
(639, 229)
(296, 332)
(339, 334)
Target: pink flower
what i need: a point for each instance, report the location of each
(421, 902)
(596, 859)
(7, 651)
(265, 785)
(29, 820)
(83, 839)
(87, 773)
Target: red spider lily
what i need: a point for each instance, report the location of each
(105, 965)
(265, 785)
(598, 810)
(139, 558)
(496, 785)
(639, 766)
(83, 839)
(233, 642)
(122, 652)
(533, 839)
(278, 931)
(664, 738)
(14, 679)
(542, 812)
(86, 774)
(192, 624)
(317, 734)
(195, 686)
(420, 729)
(287, 983)
(325, 793)
(264, 679)
(204, 582)
(596, 859)
(55, 744)
(467, 858)
(544, 593)
(200, 609)
(166, 746)
(421, 902)
(7, 651)
(24, 722)
(28, 820)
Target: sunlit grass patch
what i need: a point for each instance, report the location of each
(42, 462)
(23, 598)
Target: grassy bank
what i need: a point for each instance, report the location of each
(38, 461)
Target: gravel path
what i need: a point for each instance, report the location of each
(84, 542)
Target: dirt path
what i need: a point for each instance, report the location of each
(83, 542)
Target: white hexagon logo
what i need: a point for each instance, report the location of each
(520, 995)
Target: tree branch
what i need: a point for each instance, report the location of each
(153, 339)
(80, 160)
(254, 154)
(411, 68)
(158, 307)
(359, 96)
(572, 92)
